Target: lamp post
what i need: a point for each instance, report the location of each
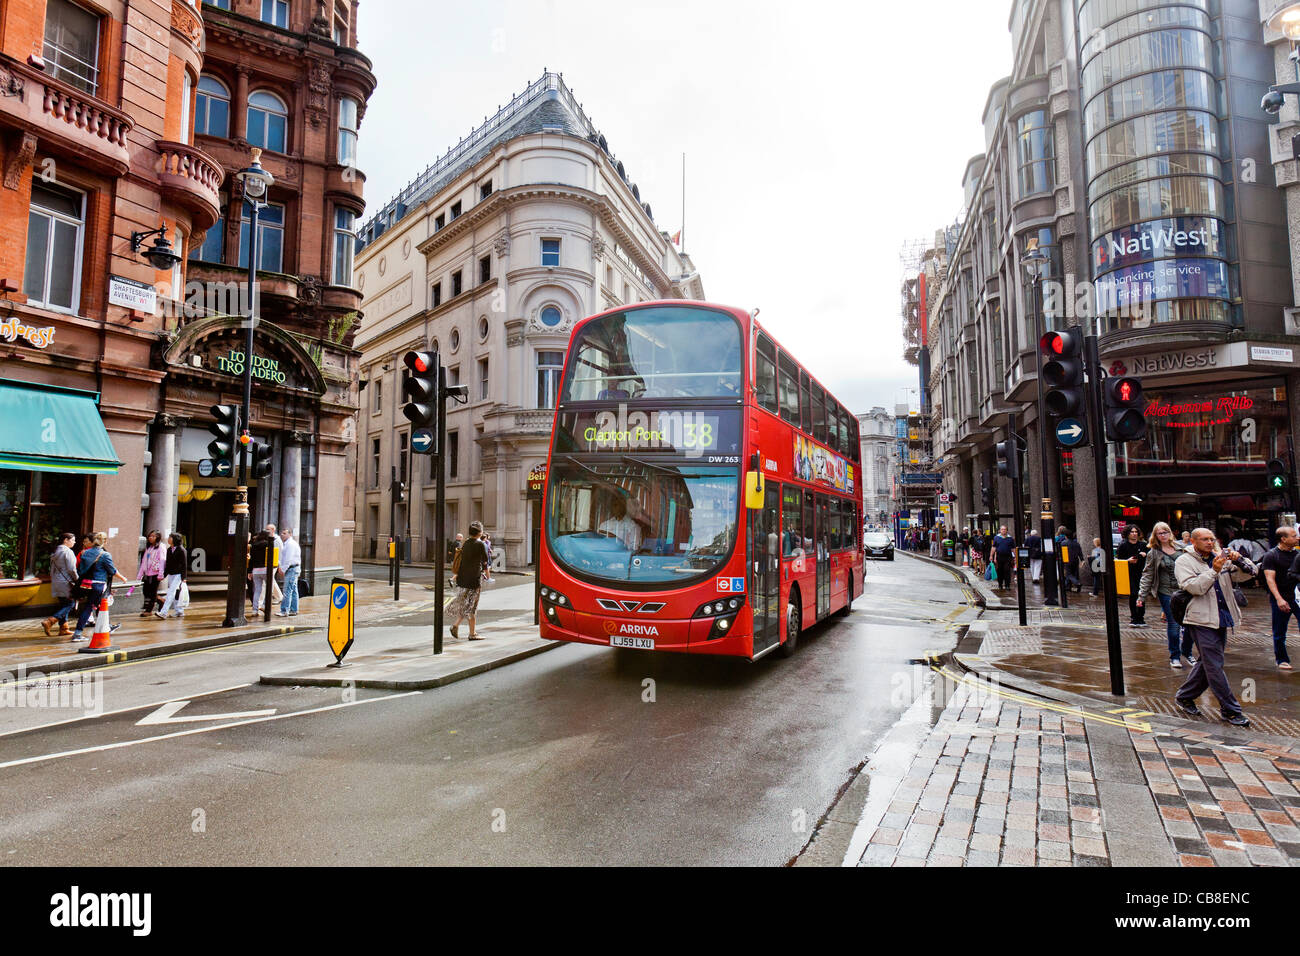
(1036, 263)
(255, 181)
(1286, 21)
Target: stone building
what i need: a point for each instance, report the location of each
(111, 355)
(1123, 148)
(489, 257)
(877, 434)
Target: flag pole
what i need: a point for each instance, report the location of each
(682, 245)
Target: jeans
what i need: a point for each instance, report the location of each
(1208, 670)
(66, 606)
(90, 606)
(173, 594)
(150, 585)
(1281, 621)
(289, 603)
(1179, 640)
(259, 588)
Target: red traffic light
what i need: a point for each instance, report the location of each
(1051, 344)
(422, 363)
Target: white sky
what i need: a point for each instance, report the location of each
(818, 137)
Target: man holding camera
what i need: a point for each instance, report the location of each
(1206, 572)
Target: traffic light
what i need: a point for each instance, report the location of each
(1122, 398)
(1061, 365)
(1277, 477)
(421, 388)
(986, 490)
(261, 463)
(399, 491)
(1008, 453)
(225, 428)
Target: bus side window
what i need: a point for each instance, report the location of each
(791, 536)
(808, 523)
(789, 389)
(805, 403)
(818, 413)
(765, 373)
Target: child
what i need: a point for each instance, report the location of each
(1097, 564)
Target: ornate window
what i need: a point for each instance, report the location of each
(212, 108)
(348, 111)
(71, 48)
(55, 225)
(268, 121)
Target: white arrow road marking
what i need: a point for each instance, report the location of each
(120, 710)
(40, 758)
(163, 715)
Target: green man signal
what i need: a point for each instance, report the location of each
(1277, 474)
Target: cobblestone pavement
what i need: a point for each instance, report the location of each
(995, 783)
(1004, 782)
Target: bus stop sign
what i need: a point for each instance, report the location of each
(342, 619)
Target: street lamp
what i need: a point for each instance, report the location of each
(1286, 21)
(255, 181)
(1038, 264)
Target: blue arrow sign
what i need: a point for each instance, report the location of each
(221, 467)
(1069, 432)
(422, 441)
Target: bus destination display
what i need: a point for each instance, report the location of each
(694, 433)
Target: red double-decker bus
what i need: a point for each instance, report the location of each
(703, 491)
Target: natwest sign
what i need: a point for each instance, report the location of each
(1161, 239)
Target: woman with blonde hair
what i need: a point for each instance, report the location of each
(1158, 581)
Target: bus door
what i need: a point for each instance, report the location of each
(822, 537)
(765, 568)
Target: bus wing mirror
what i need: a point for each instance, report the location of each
(753, 490)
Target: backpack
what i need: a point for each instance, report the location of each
(1178, 605)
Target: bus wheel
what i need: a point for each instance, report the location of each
(848, 604)
(793, 624)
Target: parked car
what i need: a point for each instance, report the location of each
(878, 544)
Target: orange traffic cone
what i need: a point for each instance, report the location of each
(100, 641)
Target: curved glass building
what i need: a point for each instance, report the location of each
(1158, 193)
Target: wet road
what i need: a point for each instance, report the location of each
(580, 755)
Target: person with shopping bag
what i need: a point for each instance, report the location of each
(95, 570)
(174, 566)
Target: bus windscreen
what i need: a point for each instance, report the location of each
(632, 521)
(676, 352)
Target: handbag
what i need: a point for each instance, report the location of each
(1178, 605)
(455, 562)
(86, 587)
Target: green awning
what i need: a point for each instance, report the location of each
(46, 428)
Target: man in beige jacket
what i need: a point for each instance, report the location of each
(1206, 572)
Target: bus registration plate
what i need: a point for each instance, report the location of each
(640, 643)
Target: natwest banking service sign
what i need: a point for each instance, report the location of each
(1193, 236)
(1166, 279)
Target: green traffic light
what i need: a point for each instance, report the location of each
(1279, 481)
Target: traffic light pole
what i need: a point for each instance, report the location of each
(237, 560)
(1017, 512)
(1046, 531)
(1100, 450)
(440, 490)
(395, 548)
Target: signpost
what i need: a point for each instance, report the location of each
(342, 620)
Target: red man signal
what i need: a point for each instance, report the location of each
(1122, 398)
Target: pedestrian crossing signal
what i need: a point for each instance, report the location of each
(261, 466)
(1277, 474)
(1122, 398)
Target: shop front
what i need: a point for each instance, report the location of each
(193, 494)
(53, 444)
(1211, 432)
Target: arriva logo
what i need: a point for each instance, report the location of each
(633, 630)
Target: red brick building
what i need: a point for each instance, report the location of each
(105, 380)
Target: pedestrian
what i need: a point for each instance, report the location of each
(291, 565)
(1185, 540)
(1071, 545)
(1207, 572)
(150, 571)
(963, 541)
(773, 548)
(63, 585)
(1097, 565)
(1034, 545)
(262, 545)
(1133, 551)
(175, 563)
(1159, 581)
(94, 570)
(87, 542)
(469, 582)
(1004, 553)
(1276, 565)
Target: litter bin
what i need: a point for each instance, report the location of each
(947, 549)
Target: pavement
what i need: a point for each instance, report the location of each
(1021, 756)
(23, 643)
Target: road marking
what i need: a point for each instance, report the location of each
(990, 687)
(166, 715)
(120, 710)
(41, 758)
